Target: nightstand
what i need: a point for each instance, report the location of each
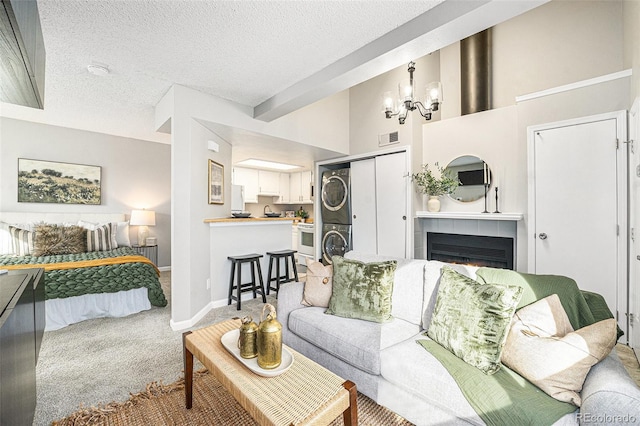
(150, 252)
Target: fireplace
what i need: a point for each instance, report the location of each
(496, 252)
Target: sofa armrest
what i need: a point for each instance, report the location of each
(289, 298)
(609, 394)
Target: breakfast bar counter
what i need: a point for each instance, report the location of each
(248, 219)
(235, 237)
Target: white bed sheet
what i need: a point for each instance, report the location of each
(70, 310)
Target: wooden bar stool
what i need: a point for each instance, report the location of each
(281, 279)
(240, 287)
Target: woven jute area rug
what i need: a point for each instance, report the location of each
(212, 405)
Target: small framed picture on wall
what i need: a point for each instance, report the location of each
(216, 183)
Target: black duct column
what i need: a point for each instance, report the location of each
(475, 70)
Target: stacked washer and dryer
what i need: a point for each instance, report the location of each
(336, 213)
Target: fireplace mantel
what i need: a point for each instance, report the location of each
(469, 215)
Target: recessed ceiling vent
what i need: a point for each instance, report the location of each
(388, 139)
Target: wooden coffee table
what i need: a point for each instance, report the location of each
(305, 394)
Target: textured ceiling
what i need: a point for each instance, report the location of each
(244, 51)
(250, 52)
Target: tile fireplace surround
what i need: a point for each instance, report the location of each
(465, 223)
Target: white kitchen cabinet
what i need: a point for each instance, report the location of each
(249, 179)
(300, 187)
(285, 190)
(269, 183)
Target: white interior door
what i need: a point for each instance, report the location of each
(634, 215)
(363, 206)
(391, 206)
(578, 207)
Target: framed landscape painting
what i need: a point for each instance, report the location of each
(216, 183)
(60, 183)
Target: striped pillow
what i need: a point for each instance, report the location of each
(22, 241)
(99, 239)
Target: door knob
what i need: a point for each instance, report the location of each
(542, 236)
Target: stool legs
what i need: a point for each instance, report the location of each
(255, 286)
(239, 287)
(280, 278)
(264, 298)
(233, 270)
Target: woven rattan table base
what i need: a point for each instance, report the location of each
(306, 394)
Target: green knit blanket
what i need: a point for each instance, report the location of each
(96, 279)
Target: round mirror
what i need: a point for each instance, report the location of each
(474, 176)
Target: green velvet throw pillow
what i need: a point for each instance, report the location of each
(362, 290)
(472, 320)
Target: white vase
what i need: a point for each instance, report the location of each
(433, 205)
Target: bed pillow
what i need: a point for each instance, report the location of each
(543, 348)
(58, 239)
(472, 320)
(99, 239)
(362, 290)
(318, 284)
(93, 226)
(22, 241)
(122, 234)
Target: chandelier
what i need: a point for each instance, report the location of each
(407, 102)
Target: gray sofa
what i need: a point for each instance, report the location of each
(389, 367)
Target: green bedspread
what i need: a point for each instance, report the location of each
(97, 279)
(506, 397)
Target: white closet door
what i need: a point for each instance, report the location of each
(363, 206)
(391, 206)
(577, 192)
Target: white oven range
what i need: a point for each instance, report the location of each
(305, 242)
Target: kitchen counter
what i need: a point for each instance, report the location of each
(237, 220)
(233, 237)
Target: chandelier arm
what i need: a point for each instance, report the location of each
(423, 110)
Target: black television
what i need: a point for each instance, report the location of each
(471, 177)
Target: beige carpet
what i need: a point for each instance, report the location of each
(212, 405)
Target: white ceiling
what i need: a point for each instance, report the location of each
(272, 55)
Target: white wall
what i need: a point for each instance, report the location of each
(134, 172)
(631, 13)
(555, 44)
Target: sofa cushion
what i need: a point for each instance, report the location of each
(543, 348)
(354, 341)
(408, 366)
(362, 290)
(472, 320)
(408, 285)
(318, 284)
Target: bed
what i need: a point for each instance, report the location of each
(106, 278)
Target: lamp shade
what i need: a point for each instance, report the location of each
(143, 218)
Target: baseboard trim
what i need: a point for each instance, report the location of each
(164, 268)
(181, 325)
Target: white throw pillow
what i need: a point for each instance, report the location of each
(122, 235)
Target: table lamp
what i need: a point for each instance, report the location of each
(143, 219)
